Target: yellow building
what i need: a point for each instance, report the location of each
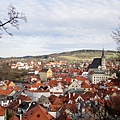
(45, 74)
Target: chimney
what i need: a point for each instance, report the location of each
(20, 116)
(20, 101)
(69, 95)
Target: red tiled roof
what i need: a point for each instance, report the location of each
(57, 101)
(13, 105)
(81, 78)
(2, 111)
(14, 117)
(54, 108)
(85, 85)
(38, 90)
(37, 113)
(25, 98)
(52, 98)
(5, 92)
(53, 83)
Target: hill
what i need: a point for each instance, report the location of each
(79, 55)
(84, 55)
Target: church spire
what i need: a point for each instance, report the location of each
(103, 55)
(103, 60)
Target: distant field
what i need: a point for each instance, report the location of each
(72, 58)
(87, 56)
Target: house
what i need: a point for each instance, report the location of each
(37, 113)
(33, 78)
(87, 87)
(74, 87)
(34, 112)
(44, 101)
(6, 83)
(4, 93)
(9, 83)
(35, 94)
(45, 74)
(57, 90)
(37, 89)
(85, 74)
(37, 71)
(97, 76)
(13, 106)
(67, 112)
(13, 66)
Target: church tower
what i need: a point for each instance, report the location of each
(103, 60)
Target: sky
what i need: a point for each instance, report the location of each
(55, 26)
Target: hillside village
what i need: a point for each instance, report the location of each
(63, 91)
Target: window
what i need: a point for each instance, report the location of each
(31, 112)
(38, 115)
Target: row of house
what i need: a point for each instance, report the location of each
(63, 93)
(55, 99)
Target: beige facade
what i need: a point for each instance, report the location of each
(98, 76)
(49, 73)
(45, 73)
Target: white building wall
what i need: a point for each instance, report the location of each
(35, 95)
(2, 117)
(96, 78)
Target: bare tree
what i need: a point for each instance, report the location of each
(116, 37)
(13, 19)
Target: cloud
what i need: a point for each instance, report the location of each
(57, 25)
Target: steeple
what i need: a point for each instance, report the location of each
(103, 55)
(103, 60)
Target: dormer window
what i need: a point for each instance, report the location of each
(38, 115)
(31, 112)
(25, 116)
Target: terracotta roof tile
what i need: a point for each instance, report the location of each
(37, 113)
(85, 85)
(13, 105)
(53, 83)
(81, 78)
(54, 108)
(14, 117)
(57, 101)
(2, 111)
(5, 92)
(25, 98)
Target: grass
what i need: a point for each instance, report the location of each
(87, 56)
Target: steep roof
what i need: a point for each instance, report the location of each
(24, 98)
(14, 117)
(5, 92)
(37, 113)
(96, 63)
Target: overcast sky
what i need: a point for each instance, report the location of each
(60, 25)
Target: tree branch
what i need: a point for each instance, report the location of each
(14, 18)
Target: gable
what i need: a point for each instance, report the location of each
(96, 63)
(37, 113)
(74, 85)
